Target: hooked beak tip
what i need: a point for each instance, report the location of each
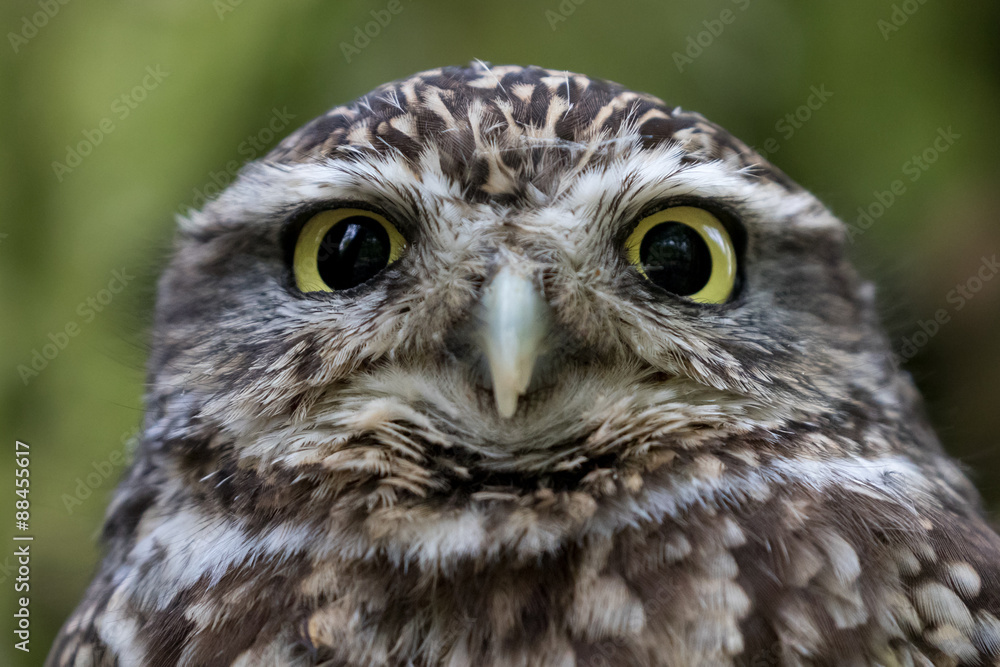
(514, 327)
(506, 402)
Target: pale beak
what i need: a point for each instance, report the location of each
(515, 323)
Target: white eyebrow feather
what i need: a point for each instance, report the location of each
(633, 177)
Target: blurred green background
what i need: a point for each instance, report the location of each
(221, 70)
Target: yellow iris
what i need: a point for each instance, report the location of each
(722, 254)
(313, 257)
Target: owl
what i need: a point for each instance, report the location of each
(507, 366)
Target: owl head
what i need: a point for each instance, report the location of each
(512, 294)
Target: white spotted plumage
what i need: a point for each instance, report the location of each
(326, 478)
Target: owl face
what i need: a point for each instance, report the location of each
(475, 285)
(513, 366)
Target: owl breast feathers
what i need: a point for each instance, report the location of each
(506, 366)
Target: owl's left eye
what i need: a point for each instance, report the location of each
(342, 248)
(686, 251)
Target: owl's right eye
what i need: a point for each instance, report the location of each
(342, 248)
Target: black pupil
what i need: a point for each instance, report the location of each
(676, 258)
(352, 252)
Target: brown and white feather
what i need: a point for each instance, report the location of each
(324, 481)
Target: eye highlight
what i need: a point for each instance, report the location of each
(685, 251)
(342, 248)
